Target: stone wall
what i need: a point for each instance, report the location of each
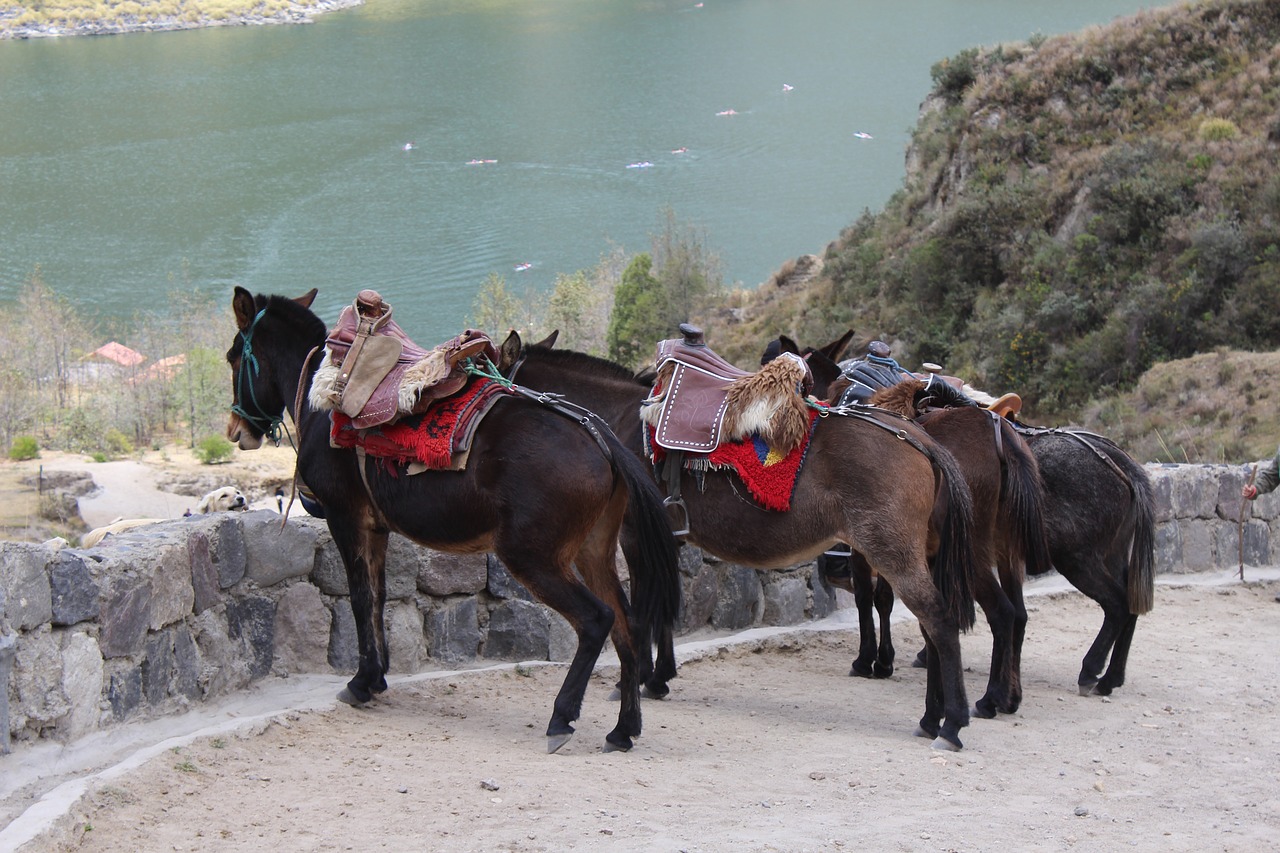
(159, 618)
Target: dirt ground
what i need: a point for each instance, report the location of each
(154, 484)
(765, 744)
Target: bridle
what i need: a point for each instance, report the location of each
(269, 425)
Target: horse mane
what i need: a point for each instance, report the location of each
(295, 315)
(572, 359)
(900, 398)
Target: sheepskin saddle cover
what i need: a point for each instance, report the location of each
(700, 401)
(374, 374)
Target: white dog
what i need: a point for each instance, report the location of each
(219, 500)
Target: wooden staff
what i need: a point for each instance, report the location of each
(1240, 526)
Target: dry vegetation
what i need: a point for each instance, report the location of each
(36, 18)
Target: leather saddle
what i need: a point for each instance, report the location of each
(373, 373)
(705, 400)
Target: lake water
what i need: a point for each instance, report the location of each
(274, 157)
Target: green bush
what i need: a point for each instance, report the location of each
(118, 444)
(24, 447)
(214, 449)
(1218, 129)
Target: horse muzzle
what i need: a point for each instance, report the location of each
(240, 436)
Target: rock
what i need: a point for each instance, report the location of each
(785, 597)
(74, 592)
(738, 604)
(275, 555)
(441, 574)
(344, 647)
(302, 630)
(126, 613)
(28, 599)
(452, 630)
(502, 584)
(252, 622)
(518, 630)
(406, 642)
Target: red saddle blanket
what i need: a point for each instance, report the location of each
(767, 474)
(439, 438)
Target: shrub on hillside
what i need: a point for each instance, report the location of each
(214, 449)
(24, 447)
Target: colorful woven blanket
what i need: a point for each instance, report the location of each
(768, 475)
(439, 438)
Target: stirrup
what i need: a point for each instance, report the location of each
(678, 502)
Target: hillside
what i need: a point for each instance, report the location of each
(1075, 211)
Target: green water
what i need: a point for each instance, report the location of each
(273, 157)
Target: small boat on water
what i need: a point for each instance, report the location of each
(680, 150)
(522, 267)
(409, 146)
(643, 164)
(475, 162)
(862, 135)
(727, 113)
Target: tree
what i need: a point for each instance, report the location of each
(638, 318)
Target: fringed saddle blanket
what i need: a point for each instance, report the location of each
(769, 475)
(438, 439)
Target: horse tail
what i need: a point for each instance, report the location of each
(655, 579)
(954, 566)
(1022, 502)
(1142, 560)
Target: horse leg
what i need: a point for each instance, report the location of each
(1114, 676)
(653, 675)
(946, 708)
(1000, 616)
(363, 547)
(1104, 587)
(884, 607)
(864, 594)
(1011, 580)
(591, 619)
(596, 563)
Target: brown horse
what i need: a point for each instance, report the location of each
(1099, 530)
(539, 490)
(876, 481)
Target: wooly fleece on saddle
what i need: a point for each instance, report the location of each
(432, 369)
(900, 398)
(767, 403)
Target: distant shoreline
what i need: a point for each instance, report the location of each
(296, 13)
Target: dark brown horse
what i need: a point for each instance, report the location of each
(539, 490)
(1008, 525)
(878, 482)
(1099, 530)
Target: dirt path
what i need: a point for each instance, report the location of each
(765, 744)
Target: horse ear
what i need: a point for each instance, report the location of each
(307, 298)
(825, 372)
(243, 306)
(789, 345)
(509, 352)
(833, 349)
(549, 341)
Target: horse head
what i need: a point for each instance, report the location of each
(257, 392)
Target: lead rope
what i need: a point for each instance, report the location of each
(297, 425)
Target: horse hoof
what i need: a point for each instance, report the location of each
(861, 672)
(622, 745)
(616, 695)
(881, 671)
(985, 711)
(941, 744)
(554, 742)
(1087, 689)
(647, 692)
(920, 732)
(347, 697)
